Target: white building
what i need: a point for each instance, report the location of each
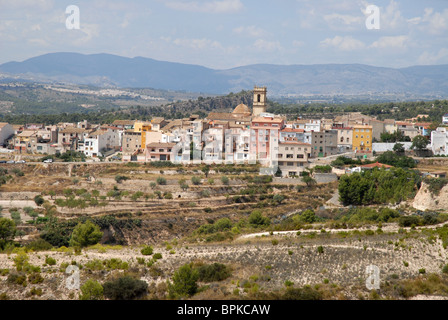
(100, 141)
(445, 119)
(439, 141)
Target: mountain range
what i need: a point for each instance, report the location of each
(107, 70)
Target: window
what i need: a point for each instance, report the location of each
(290, 164)
(289, 156)
(300, 156)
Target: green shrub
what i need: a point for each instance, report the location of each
(213, 272)
(17, 278)
(124, 288)
(305, 293)
(147, 251)
(50, 261)
(184, 282)
(161, 181)
(85, 234)
(35, 278)
(157, 256)
(120, 179)
(196, 180)
(257, 219)
(39, 245)
(225, 180)
(408, 221)
(91, 290)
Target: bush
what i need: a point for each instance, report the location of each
(213, 272)
(157, 256)
(17, 278)
(35, 278)
(308, 216)
(225, 180)
(124, 288)
(161, 181)
(257, 219)
(91, 290)
(184, 282)
(147, 250)
(7, 231)
(305, 293)
(50, 261)
(120, 178)
(408, 221)
(196, 180)
(85, 234)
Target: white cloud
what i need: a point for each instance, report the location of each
(298, 43)
(265, 45)
(338, 21)
(217, 6)
(346, 43)
(435, 22)
(251, 31)
(88, 32)
(41, 5)
(430, 58)
(197, 44)
(391, 17)
(400, 42)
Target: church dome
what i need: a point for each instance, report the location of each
(242, 108)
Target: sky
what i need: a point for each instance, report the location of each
(224, 34)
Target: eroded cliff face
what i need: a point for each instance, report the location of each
(425, 200)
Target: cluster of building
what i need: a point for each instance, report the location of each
(241, 136)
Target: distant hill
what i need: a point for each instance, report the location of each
(281, 80)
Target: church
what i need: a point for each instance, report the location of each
(242, 116)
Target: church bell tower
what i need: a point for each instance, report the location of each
(259, 101)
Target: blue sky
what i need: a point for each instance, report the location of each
(224, 34)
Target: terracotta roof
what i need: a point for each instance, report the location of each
(172, 124)
(161, 145)
(242, 108)
(158, 120)
(27, 133)
(97, 133)
(292, 130)
(376, 165)
(267, 119)
(294, 142)
(422, 124)
(227, 116)
(123, 122)
(73, 130)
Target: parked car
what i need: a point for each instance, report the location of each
(3, 161)
(48, 160)
(11, 161)
(21, 161)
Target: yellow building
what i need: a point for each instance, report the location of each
(362, 138)
(142, 127)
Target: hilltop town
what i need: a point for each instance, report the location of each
(243, 135)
